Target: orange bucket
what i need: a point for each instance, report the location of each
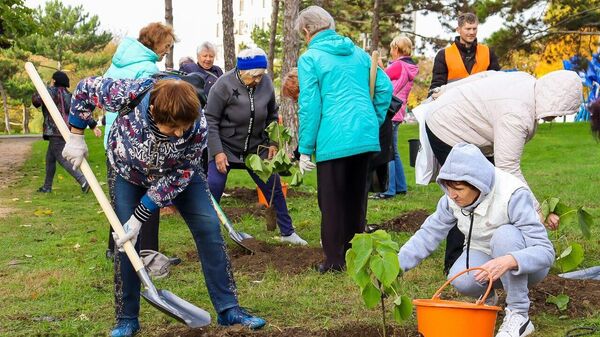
(261, 196)
(441, 318)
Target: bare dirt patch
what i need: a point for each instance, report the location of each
(13, 153)
(408, 222)
(584, 296)
(249, 196)
(350, 330)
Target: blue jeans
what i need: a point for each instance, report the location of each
(195, 207)
(397, 180)
(217, 181)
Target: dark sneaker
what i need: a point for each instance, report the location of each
(380, 196)
(85, 187)
(237, 315)
(125, 328)
(322, 268)
(44, 189)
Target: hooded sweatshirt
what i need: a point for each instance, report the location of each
(132, 60)
(337, 117)
(498, 111)
(503, 200)
(402, 73)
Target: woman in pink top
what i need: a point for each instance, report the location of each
(402, 71)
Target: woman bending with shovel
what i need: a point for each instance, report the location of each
(155, 149)
(494, 210)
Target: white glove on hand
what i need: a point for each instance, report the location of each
(75, 150)
(305, 164)
(132, 229)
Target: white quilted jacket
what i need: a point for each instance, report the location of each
(498, 111)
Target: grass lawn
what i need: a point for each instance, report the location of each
(55, 280)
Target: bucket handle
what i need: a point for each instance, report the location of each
(437, 294)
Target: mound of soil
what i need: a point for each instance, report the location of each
(235, 214)
(249, 196)
(408, 222)
(286, 259)
(351, 330)
(584, 296)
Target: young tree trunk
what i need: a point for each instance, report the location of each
(25, 119)
(290, 58)
(228, 38)
(5, 105)
(273, 28)
(169, 21)
(375, 25)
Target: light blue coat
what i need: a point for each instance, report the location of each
(337, 117)
(132, 60)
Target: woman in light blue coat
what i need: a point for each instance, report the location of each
(339, 125)
(135, 59)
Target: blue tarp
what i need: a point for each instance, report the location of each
(590, 78)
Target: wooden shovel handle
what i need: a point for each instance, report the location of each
(373, 73)
(85, 167)
(480, 301)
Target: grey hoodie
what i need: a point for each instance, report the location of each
(466, 163)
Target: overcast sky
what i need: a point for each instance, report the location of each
(195, 21)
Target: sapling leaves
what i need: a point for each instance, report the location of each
(402, 308)
(585, 222)
(364, 246)
(570, 258)
(371, 295)
(560, 301)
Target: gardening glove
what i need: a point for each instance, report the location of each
(132, 229)
(305, 164)
(75, 150)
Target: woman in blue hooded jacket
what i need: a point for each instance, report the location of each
(339, 125)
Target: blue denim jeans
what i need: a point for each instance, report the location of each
(195, 207)
(217, 181)
(397, 180)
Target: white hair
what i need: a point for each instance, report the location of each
(253, 72)
(206, 45)
(314, 19)
(184, 60)
(251, 52)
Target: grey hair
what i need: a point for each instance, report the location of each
(314, 19)
(206, 45)
(250, 53)
(184, 60)
(253, 72)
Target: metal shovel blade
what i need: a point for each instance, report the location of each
(237, 237)
(173, 305)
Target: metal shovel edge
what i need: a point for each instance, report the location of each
(237, 237)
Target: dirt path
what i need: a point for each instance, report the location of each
(13, 153)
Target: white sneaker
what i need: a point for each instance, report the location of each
(515, 325)
(294, 239)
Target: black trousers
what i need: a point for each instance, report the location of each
(455, 239)
(56, 144)
(148, 234)
(343, 203)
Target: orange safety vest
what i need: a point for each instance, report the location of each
(456, 66)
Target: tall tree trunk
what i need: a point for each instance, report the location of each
(228, 38)
(290, 59)
(169, 21)
(272, 38)
(375, 25)
(25, 119)
(5, 105)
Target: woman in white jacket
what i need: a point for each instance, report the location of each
(495, 210)
(497, 112)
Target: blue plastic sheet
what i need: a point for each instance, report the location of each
(590, 78)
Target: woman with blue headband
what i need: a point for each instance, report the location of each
(241, 104)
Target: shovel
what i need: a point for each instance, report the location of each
(163, 300)
(237, 237)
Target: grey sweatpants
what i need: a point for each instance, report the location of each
(506, 239)
(53, 155)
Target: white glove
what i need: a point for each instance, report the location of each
(132, 229)
(75, 150)
(305, 164)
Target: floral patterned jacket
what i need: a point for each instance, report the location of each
(163, 165)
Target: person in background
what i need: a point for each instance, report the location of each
(61, 96)
(240, 107)
(495, 211)
(339, 124)
(402, 71)
(155, 151)
(595, 117)
(463, 57)
(498, 112)
(134, 59)
(206, 53)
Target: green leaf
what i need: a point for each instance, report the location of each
(570, 258)
(350, 258)
(391, 269)
(254, 162)
(402, 308)
(362, 244)
(585, 222)
(362, 278)
(545, 209)
(560, 209)
(371, 295)
(377, 267)
(552, 202)
(560, 301)
(297, 178)
(381, 235)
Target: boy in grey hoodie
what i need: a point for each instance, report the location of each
(495, 211)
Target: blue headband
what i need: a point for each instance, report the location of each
(256, 62)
